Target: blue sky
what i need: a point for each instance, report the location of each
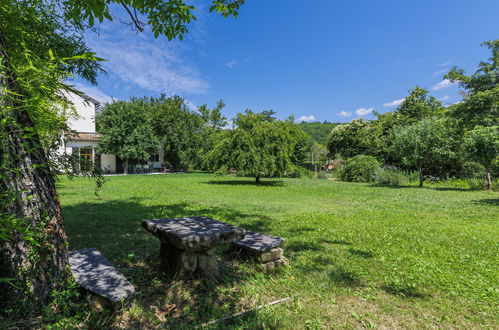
(318, 60)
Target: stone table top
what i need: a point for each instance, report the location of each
(193, 233)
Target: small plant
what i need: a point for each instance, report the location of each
(390, 175)
(360, 168)
(476, 184)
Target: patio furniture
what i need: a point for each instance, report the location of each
(263, 248)
(188, 244)
(130, 169)
(93, 272)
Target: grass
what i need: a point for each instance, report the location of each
(361, 255)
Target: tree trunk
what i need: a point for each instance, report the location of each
(257, 179)
(125, 167)
(421, 177)
(489, 182)
(28, 188)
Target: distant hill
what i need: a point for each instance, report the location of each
(319, 132)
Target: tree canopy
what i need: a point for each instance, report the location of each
(258, 146)
(422, 144)
(127, 131)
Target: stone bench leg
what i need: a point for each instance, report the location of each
(182, 264)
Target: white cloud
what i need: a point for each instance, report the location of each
(191, 106)
(436, 73)
(306, 118)
(394, 103)
(93, 92)
(231, 64)
(141, 61)
(344, 114)
(363, 111)
(445, 98)
(446, 63)
(443, 84)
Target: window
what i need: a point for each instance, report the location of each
(86, 159)
(154, 158)
(86, 154)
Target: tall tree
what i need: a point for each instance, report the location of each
(355, 138)
(178, 128)
(480, 105)
(258, 146)
(482, 146)
(127, 131)
(423, 144)
(40, 45)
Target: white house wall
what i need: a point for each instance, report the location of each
(108, 163)
(85, 121)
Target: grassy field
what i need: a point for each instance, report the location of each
(361, 255)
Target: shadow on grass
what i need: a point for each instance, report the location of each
(113, 227)
(378, 185)
(488, 201)
(339, 242)
(345, 278)
(246, 183)
(303, 246)
(404, 291)
(360, 253)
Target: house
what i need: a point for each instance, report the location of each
(84, 142)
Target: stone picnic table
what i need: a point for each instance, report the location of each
(188, 244)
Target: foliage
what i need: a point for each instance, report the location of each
(389, 175)
(472, 170)
(319, 132)
(355, 138)
(417, 106)
(423, 145)
(480, 105)
(178, 129)
(482, 146)
(361, 168)
(258, 146)
(126, 130)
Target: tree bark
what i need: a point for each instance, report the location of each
(125, 167)
(28, 182)
(489, 181)
(421, 177)
(257, 179)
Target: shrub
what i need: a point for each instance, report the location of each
(390, 175)
(297, 172)
(476, 184)
(360, 168)
(473, 170)
(322, 175)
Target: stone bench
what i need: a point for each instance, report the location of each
(95, 273)
(264, 248)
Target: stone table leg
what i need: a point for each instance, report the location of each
(177, 262)
(182, 264)
(207, 263)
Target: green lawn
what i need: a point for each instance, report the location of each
(361, 255)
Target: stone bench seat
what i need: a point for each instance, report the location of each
(264, 248)
(95, 273)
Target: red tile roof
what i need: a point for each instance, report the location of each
(80, 136)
